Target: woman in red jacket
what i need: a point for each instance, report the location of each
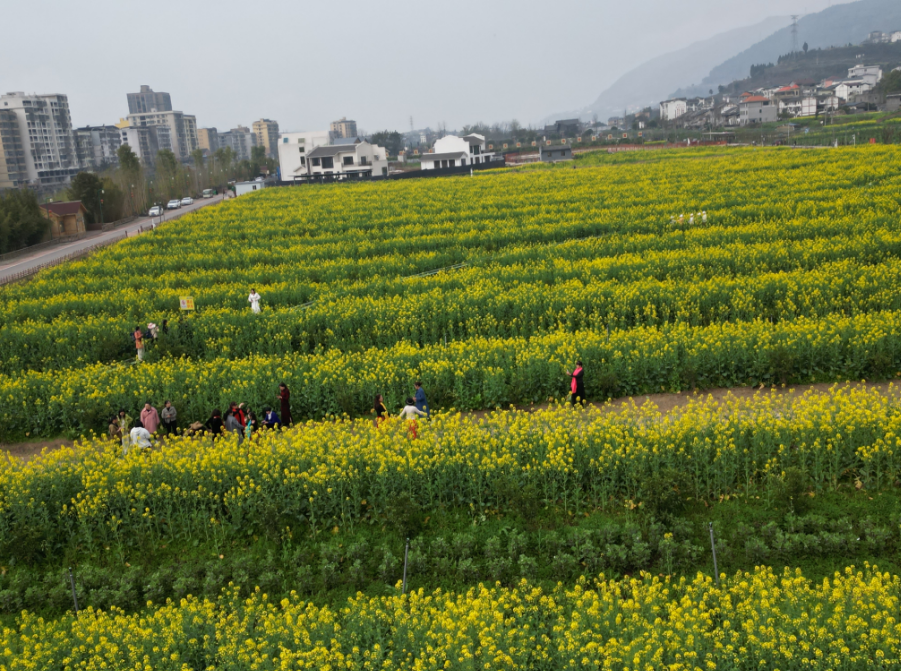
(284, 395)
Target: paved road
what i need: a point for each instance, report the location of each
(46, 255)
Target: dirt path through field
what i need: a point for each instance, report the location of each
(665, 402)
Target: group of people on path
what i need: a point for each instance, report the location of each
(416, 406)
(238, 419)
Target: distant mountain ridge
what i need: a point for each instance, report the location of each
(652, 81)
(729, 56)
(835, 26)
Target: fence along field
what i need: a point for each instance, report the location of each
(797, 244)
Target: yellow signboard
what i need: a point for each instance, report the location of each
(186, 302)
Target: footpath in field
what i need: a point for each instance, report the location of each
(664, 402)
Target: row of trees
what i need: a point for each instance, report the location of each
(133, 188)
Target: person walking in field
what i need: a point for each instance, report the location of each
(284, 397)
(254, 300)
(150, 418)
(139, 342)
(410, 413)
(577, 384)
(169, 417)
(419, 397)
(381, 412)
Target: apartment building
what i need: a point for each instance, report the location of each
(97, 146)
(208, 139)
(241, 140)
(148, 100)
(294, 150)
(266, 131)
(13, 172)
(344, 128)
(46, 136)
(143, 140)
(176, 131)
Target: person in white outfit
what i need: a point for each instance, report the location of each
(410, 413)
(140, 437)
(254, 300)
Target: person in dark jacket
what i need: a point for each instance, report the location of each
(577, 384)
(381, 412)
(270, 418)
(215, 424)
(419, 397)
(284, 396)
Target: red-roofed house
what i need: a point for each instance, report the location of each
(67, 218)
(757, 109)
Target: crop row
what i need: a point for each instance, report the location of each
(469, 374)
(343, 472)
(485, 308)
(752, 620)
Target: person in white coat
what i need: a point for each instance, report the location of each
(254, 300)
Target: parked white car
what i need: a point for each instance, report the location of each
(173, 204)
(187, 200)
(155, 211)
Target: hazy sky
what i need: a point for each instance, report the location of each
(305, 63)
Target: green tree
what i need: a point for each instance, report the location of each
(197, 157)
(805, 47)
(21, 221)
(391, 140)
(88, 188)
(128, 160)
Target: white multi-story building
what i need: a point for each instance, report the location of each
(757, 109)
(673, 109)
(293, 150)
(46, 136)
(452, 151)
(176, 131)
(346, 161)
(871, 74)
(896, 36)
(798, 107)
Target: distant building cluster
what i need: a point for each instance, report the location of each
(802, 98)
(40, 148)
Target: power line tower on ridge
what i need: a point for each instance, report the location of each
(795, 18)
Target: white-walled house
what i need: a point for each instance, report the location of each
(452, 151)
(851, 87)
(673, 109)
(799, 107)
(757, 109)
(293, 149)
(871, 74)
(348, 160)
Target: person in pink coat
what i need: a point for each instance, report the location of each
(150, 418)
